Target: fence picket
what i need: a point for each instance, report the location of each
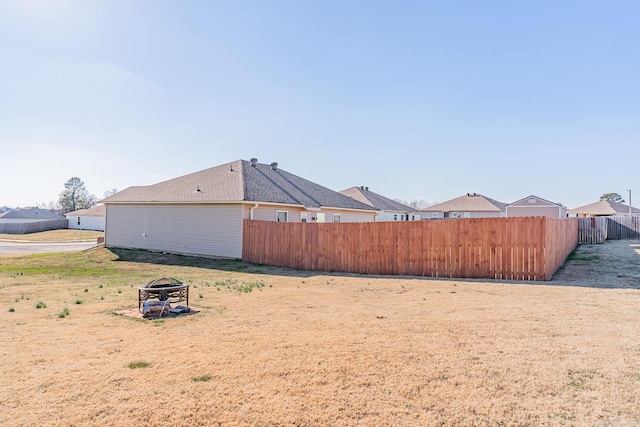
(526, 248)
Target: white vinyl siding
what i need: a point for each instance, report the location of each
(210, 230)
(269, 213)
(86, 222)
(550, 211)
(541, 207)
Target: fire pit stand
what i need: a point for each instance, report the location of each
(165, 290)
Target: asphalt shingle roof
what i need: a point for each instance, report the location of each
(376, 200)
(236, 182)
(470, 202)
(604, 207)
(94, 211)
(31, 213)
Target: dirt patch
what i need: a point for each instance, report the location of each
(614, 264)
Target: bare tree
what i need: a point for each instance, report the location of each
(420, 204)
(417, 204)
(75, 196)
(51, 205)
(110, 192)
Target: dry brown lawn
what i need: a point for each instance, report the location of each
(64, 235)
(308, 349)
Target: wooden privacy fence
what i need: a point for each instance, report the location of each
(592, 230)
(527, 248)
(599, 229)
(623, 227)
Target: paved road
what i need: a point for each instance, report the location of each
(22, 248)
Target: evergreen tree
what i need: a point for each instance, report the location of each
(75, 196)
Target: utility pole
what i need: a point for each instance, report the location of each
(629, 202)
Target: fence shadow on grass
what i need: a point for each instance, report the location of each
(613, 265)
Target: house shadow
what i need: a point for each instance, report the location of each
(613, 265)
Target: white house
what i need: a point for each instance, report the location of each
(202, 213)
(390, 210)
(87, 219)
(536, 206)
(470, 205)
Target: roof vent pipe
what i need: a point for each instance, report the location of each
(362, 187)
(254, 162)
(366, 188)
(274, 166)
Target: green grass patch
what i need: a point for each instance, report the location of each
(138, 364)
(64, 313)
(578, 379)
(201, 379)
(226, 283)
(11, 309)
(41, 304)
(576, 256)
(60, 264)
(249, 286)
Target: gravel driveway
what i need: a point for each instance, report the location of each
(614, 264)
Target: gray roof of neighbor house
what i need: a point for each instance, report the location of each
(535, 197)
(470, 202)
(31, 213)
(364, 195)
(602, 208)
(237, 182)
(94, 211)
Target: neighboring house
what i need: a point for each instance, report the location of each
(87, 219)
(202, 213)
(603, 208)
(30, 220)
(536, 206)
(31, 213)
(390, 210)
(471, 205)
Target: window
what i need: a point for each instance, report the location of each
(532, 201)
(395, 217)
(304, 217)
(434, 215)
(454, 215)
(282, 216)
(466, 215)
(336, 217)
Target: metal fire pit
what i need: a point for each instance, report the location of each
(166, 290)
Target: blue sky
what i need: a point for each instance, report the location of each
(416, 100)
